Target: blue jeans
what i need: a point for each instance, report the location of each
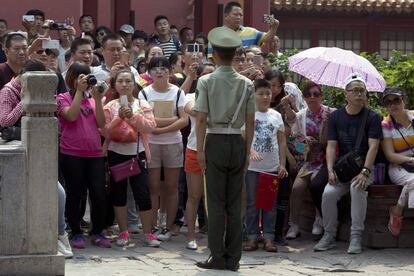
(253, 214)
(61, 209)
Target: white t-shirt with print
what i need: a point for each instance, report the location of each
(126, 148)
(152, 95)
(192, 140)
(265, 142)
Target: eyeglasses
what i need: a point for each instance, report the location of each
(395, 101)
(357, 90)
(102, 33)
(160, 70)
(312, 94)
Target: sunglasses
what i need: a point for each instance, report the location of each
(46, 51)
(102, 33)
(395, 101)
(312, 94)
(357, 90)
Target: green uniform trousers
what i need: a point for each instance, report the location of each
(225, 157)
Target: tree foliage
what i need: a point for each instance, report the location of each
(398, 71)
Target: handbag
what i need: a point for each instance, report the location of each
(351, 164)
(406, 165)
(125, 169)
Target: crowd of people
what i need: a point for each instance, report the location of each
(177, 106)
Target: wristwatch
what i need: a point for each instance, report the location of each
(366, 172)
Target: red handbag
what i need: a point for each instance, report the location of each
(125, 169)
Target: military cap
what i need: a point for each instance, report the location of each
(224, 37)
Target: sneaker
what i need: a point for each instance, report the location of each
(133, 228)
(155, 231)
(151, 241)
(192, 245)
(101, 241)
(64, 246)
(394, 224)
(78, 241)
(325, 243)
(280, 241)
(164, 235)
(317, 228)
(355, 246)
(293, 232)
(123, 239)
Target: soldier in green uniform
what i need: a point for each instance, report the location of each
(224, 103)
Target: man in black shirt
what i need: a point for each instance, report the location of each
(343, 127)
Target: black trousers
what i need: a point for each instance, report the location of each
(81, 172)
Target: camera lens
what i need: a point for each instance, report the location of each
(91, 80)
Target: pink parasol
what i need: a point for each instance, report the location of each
(331, 66)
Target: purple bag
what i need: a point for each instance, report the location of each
(125, 169)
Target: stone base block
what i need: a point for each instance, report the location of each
(32, 265)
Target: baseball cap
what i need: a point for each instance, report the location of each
(127, 29)
(392, 91)
(353, 77)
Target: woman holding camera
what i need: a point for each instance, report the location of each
(398, 147)
(122, 148)
(80, 114)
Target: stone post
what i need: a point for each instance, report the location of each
(37, 254)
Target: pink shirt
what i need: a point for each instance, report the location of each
(81, 137)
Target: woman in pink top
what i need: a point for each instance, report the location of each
(140, 120)
(80, 113)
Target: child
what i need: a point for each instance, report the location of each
(267, 154)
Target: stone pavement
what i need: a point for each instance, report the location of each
(172, 258)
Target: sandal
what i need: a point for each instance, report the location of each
(269, 246)
(251, 245)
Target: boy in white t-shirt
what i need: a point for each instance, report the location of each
(267, 154)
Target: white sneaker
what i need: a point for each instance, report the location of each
(164, 235)
(64, 246)
(192, 245)
(123, 239)
(317, 228)
(293, 232)
(151, 241)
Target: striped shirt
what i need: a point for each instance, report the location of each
(169, 47)
(389, 131)
(248, 35)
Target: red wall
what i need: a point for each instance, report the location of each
(176, 11)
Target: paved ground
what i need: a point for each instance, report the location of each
(296, 259)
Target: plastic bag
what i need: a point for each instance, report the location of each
(122, 132)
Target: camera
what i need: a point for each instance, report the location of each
(102, 87)
(57, 26)
(91, 80)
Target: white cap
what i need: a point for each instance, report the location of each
(353, 77)
(127, 29)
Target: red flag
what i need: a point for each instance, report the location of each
(267, 188)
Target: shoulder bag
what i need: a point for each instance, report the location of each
(351, 164)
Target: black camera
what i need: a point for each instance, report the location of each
(57, 26)
(91, 80)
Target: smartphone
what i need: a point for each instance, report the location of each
(194, 48)
(257, 60)
(268, 19)
(125, 58)
(123, 100)
(249, 70)
(29, 18)
(50, 44)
